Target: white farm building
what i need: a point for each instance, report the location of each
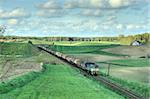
(136, 43)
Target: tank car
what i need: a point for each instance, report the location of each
(77, 62)
(58, 54)
(68, 59)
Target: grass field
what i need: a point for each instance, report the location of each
(22, 49)
(60, 78)
(57, 81)
(134, 76)
(60, 82)
(133, 62)
(85, 49)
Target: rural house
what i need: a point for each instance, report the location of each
(136, 43)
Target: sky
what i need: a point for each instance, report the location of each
(75, 18)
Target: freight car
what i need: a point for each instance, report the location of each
(90, 67)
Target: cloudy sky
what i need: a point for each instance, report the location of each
(75, 17)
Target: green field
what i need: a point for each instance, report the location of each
(132, 76)
(22, 49)
(133, 62)
(60, 78)
(85, 49)
(56, 81)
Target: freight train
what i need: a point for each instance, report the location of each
(90, 67)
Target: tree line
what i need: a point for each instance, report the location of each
(143, 38)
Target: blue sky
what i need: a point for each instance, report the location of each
(75, 17)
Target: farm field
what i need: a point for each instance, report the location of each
(74, 43)
(132, 71)
(57, 80)
(74, 49)
(17, 59)
(139, 62)
(133, 51)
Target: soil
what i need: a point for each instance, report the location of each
(13, 69)
(133, 51)
(138, 74)
(96, 58)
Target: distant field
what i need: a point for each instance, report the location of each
(73, 43)
(133, 51)
(61, 82)
(133, 62)
(85, 49)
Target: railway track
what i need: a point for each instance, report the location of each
(122, 91)
(106, 82)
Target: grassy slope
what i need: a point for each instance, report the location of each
(14, 50)
(61, 82)
(23, 49)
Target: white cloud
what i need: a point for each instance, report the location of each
(50, 13)
(12, 21)
(85, 7)
(10, 30)
(119, 3)
(97, 3)
(50, 4)
(111, 18)
(135, 26)
(119, 26)
(84, 4)
(130, 26)
(70, 4)
(15, 13)
(108, 4)
(89, 12)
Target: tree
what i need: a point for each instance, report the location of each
(2, 30)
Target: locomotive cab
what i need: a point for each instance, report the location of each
(92, 68)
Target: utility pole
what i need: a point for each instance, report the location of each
(108, 71)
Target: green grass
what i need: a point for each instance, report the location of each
(139, 88)
(133, 62)
(136, 82)
(22, 49)
(60, 82)
(8, 86)
(89, 49)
